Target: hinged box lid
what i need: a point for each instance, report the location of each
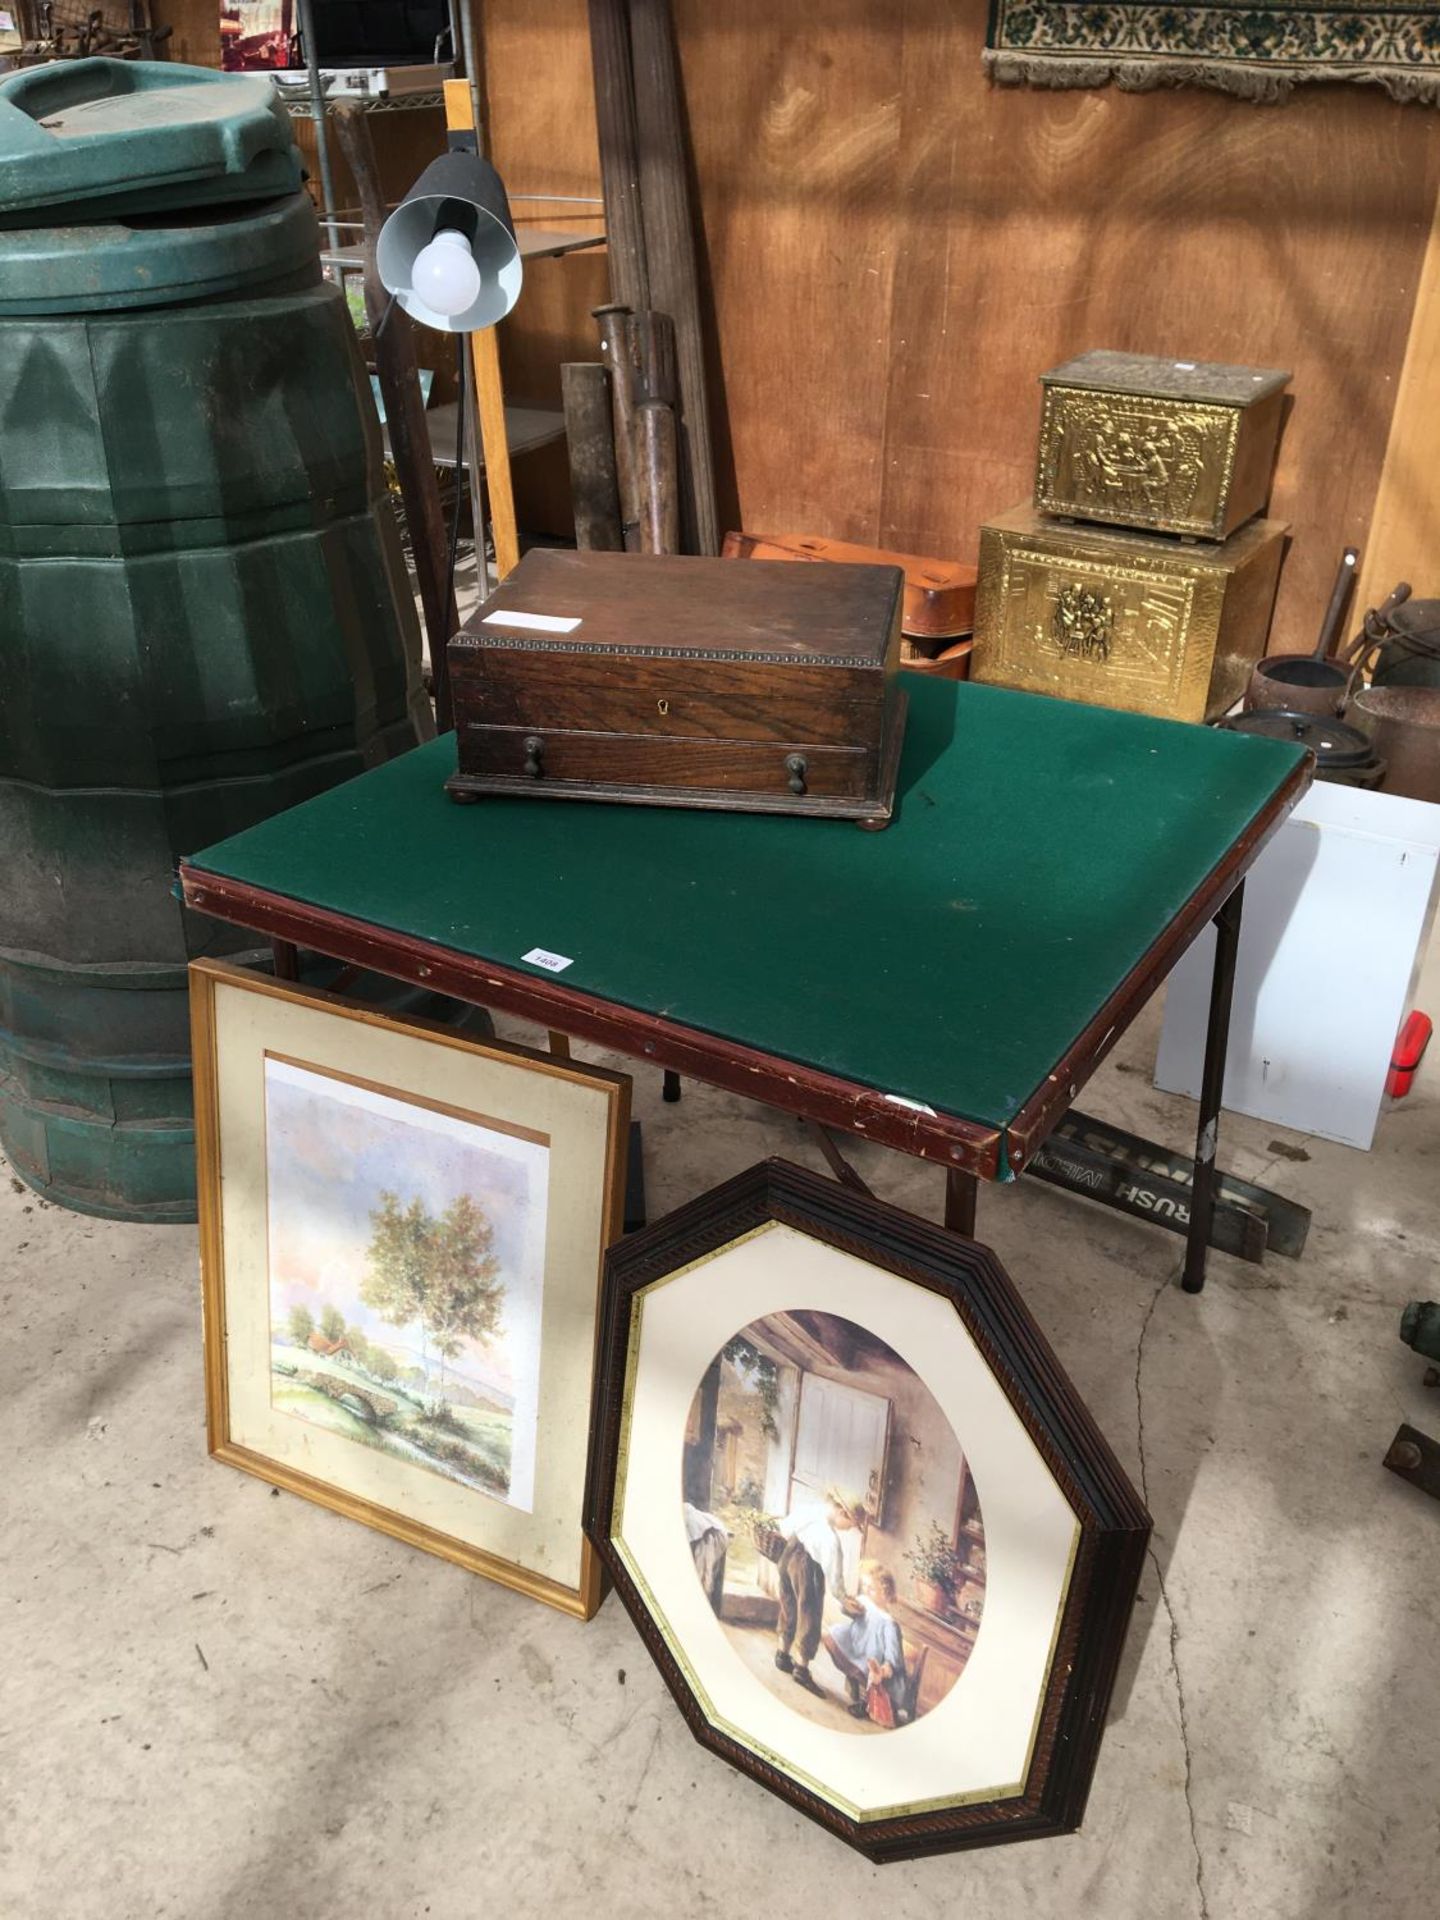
(1207, 382)
(680, 607)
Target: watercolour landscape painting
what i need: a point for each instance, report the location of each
(406, 1272)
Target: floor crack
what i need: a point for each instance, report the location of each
(1174, 1635)
(1140, 1392)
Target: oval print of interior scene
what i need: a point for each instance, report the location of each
(833, 1522)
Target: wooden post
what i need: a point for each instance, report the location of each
(658, 462)
(489, 397)
(615, 344)
(1402, 521)
(590, 435)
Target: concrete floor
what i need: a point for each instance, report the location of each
(217, 1702)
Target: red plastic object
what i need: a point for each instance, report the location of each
(1409, 1052)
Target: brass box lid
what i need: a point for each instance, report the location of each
(1206, 382)
(1171, 446)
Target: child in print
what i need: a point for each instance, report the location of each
(867, 1649)
(812, 1565)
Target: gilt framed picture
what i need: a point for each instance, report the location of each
(402, 1233)
(876, 1545)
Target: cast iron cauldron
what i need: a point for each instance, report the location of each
(1403, 725)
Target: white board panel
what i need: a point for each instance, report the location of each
(1338, 912)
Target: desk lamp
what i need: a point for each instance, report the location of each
(447, 254)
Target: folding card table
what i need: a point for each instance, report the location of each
(945, 987)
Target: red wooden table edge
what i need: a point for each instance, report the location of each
(969, 1145)
(1061, 1086)
(729, 1064)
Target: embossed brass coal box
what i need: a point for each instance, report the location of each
(1125, 620)
(1172, 446)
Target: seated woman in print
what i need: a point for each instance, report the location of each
(867, 1648)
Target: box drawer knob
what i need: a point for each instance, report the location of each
(534, 746)
(795, 767)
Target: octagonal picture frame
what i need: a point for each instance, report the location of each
(868, 1530)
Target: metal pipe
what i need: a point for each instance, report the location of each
(317, 107)
(1212, 1087)
(472, 69)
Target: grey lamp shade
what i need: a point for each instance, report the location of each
(461, 193)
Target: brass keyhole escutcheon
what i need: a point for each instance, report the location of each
(534, 746)
(795, 768)
(662, 706)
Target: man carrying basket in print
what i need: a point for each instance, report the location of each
(810, 1565)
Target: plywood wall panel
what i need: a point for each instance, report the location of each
(194, 30)
(796, 137)
(896, 249)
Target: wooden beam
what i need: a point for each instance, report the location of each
(394, 352)
(1407, 502)
(619, 142)
(489, 397)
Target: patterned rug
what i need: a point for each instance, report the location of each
(1259, 52)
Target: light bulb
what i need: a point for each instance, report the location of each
(445, 275)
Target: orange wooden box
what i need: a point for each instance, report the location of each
(939, 599)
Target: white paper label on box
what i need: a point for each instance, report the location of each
(531, 622)
(552, 962)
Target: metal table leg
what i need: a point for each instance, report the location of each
(1212, 1084)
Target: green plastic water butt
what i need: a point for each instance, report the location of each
(83, 139)
(204, 619)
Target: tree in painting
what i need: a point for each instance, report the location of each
(463, 1294)
(301, 1325)
(438, 1271)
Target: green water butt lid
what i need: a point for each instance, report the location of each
(87, 139)
(158, 260)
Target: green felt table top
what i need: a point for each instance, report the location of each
(1039, 848)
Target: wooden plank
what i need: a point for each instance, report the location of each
(489, 391)
(1407, 501)
(672, 258)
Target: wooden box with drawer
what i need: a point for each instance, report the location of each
(666, 680)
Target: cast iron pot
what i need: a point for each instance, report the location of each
(1304, 682)
(1343, 755)
(1313, 682)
